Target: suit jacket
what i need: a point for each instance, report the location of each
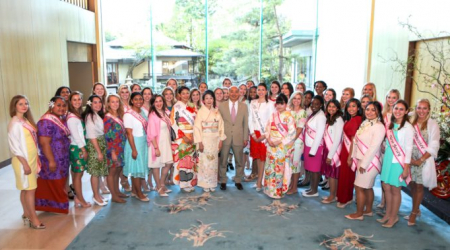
(236, 132)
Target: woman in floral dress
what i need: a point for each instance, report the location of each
(116, 137)
(185, 160)
(280, 135)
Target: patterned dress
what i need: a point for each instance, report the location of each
(416, 171)
(77, 161)
(277, 169)
(185, 158)
(300, 120)
(209, 131)
(51, 195)
(116, 138)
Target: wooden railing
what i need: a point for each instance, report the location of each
(80, 3)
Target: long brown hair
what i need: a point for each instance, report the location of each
(404, 118)
(104, 94)
(72, 109)
(120, 111)
(13, 111)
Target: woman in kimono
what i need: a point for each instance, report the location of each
(333, 146)
(299, 114)
(280, 135)
(365, 160)
(78, 149)
(136, 152)
(116, 137)
(208, 136)
(54, 142)
(23, 143)
(260, 111)
(425, 148)
(93, 117)
(160, 157)
(182, 118)
(396, 161)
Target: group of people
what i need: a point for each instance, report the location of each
(189, 137)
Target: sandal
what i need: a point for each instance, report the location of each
(251, 177)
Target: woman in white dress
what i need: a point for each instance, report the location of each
(208, 136)
(159, 143)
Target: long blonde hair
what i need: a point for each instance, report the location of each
(352, 95)
(386, 107)
(120, 111)
(415, 117)
(13, 111)
(374, 96)
(173, 93)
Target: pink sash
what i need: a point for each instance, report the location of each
(376, 161)
(57, 122)
(398, 153)
(335, 161)
(387, 121)
(72, 115)
(117, 120)
(282, 128)
(419, 141)
(139, 117)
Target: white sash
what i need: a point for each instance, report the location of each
(187, 116)
(335, 161)
(419, 141)
(255, 110)
(139, 117)
(398, 153)
(57, 122)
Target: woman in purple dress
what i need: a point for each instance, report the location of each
(54, 142)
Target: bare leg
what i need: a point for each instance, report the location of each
(369, 200)
(170, 181)
(96, 188)
(137, 187)
(112, 185)
(24, 204)
(77, 185)
(293, 185)
(156, 174)
(333, 188)
(417, 196)
(150, 180)
(307, 177)
(383, 198)
(388, 201)
(360, 194)
(396, 199)
(164, 172)
(315, 177)
(29, 206)
(259, 182)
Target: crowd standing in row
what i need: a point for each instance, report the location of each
(189, 138)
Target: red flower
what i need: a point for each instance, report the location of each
(190, 109)
(186, 163)
(180, 133)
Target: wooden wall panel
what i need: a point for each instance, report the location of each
(33, 51)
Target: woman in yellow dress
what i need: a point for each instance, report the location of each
(23, 143)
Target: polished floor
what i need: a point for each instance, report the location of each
(229, 220)
(61, 229)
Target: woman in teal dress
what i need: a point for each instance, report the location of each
(395, 172)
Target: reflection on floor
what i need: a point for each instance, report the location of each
(221, 220)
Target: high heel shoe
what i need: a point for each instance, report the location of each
(354, 218)
(382, 221)
(390, 226)
(40, 226)
(164, 194)
(25, 220)
(103, 203)
(418, 214)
